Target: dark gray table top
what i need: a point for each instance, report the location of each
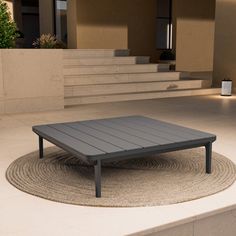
(112, 137)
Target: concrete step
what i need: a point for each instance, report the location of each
(106, 61)
(115, 69)
(205, 76)
(94, 53)
(121, 78)
(124, 88)
(73, 101)
(198, 74)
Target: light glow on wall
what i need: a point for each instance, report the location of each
(10, 6)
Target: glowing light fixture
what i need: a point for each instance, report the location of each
(226, 88)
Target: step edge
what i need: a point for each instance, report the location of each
(134, 92)
(138, 82)
(130, 99)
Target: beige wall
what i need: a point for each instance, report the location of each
(46, 16)
(142, 27)
(194, 34)
(132, 24)
(72, 23)
(117, 24)
(31, 80)
(1, 86)
(102, 24)
(225, 42)
(10, 6)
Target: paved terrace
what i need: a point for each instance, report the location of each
(25, 215)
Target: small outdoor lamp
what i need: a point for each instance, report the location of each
(226, 88)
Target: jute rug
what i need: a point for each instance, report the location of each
(151, 181)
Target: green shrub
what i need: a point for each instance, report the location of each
(8, 29)
(48, 41)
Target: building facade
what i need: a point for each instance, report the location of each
(200, 32)
(145, 27)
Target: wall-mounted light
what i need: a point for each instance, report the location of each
(226, 87)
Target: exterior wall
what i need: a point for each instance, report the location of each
(31, 80)
(142, 28)
(10, 6)
(194, 34)
(225, 46)
(46, 16)
(1, 86)
(102, 24)
(117, 24)
(72, 23)
(132, 24)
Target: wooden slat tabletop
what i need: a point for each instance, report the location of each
(118, 135)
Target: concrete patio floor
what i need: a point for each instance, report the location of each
(24, 215)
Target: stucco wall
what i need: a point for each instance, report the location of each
(46, 16)
(31, 80)
(225, 42)
(117, 24)
(102, 24)
(1, 86)
(132, 24)
(72, 23)
(142, 28)
(194, 34)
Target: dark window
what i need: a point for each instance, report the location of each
(30, 21)
(30, 3)
(164, 24)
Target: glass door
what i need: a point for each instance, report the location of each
(61, 20)
(164, 24)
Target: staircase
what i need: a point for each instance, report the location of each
(96, 76)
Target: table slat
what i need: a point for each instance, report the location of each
(178, 128)
(106, 136)
(171, 133)
(126, 136)
(81, 136)
(134, 132)
(72, 143)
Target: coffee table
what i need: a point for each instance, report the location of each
(113, 139)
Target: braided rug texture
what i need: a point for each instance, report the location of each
(150, 181)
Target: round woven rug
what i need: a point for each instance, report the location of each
(151, 181)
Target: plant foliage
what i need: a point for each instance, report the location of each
(48, 41)
(168, 55)
(8, 29)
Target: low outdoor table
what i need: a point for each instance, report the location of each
(115, 139)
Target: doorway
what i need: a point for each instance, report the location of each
(26, 14)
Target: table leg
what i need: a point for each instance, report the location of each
(97, 170)
(208, 157)
(40, 147)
